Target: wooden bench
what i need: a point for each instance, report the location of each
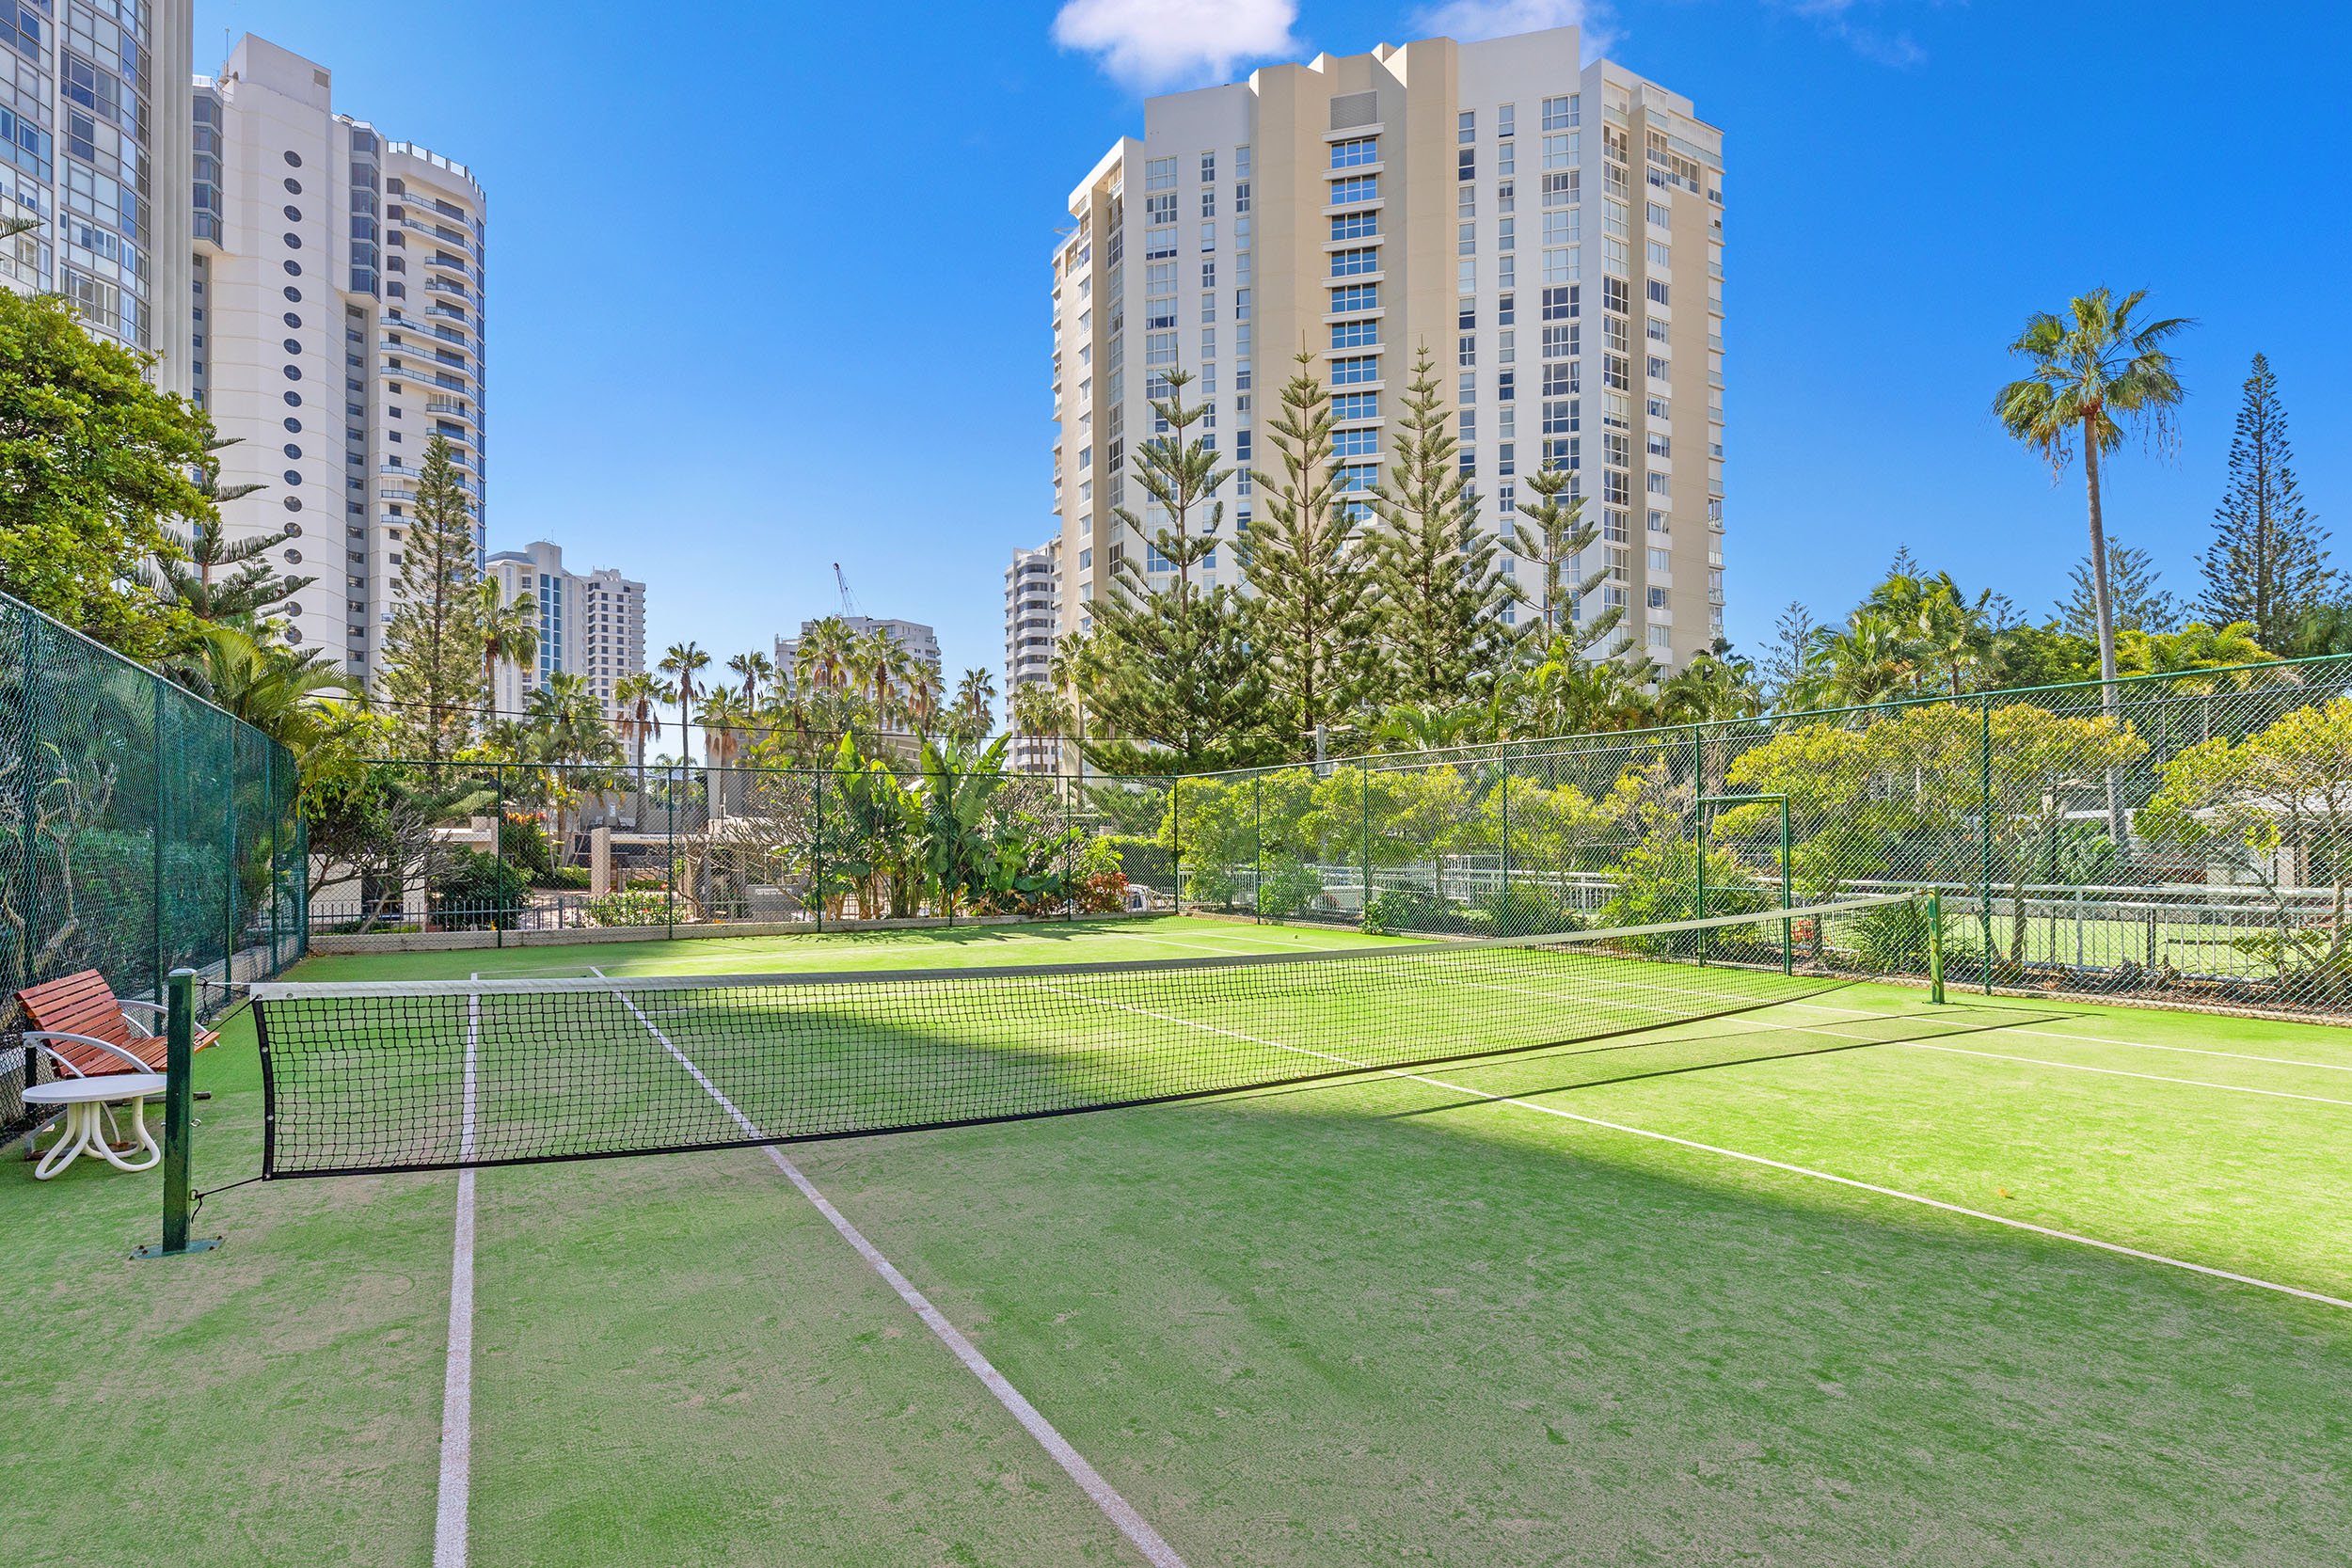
(79, 1022)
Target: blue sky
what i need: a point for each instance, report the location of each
(750, 318)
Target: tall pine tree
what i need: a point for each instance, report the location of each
(1440, 595)
(1173, 682)
(1314, 607)
(432, 674)
(2268, 563)
(1552, 537)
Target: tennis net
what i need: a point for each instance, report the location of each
(429, 1075)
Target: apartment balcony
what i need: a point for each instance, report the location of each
(452, 408)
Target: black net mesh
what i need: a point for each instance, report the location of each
(419, 1076)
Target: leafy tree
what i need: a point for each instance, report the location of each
(1313, 608)
(2135, 600)
(1440, 595)
(1716, 684)
(433, 651)
(2091, 377)
(2268, 561)
(96, 468)
(2278, 805)
(1170, 673)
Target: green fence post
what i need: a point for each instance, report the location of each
(1936, 947)
(277, 871)
(163, 815)
(1070, 847)
(1257, 869)
(229, 879)
(1698, 812)
(178, 1116)
(1504, 902)
(669, 868)
(817, 854)
(1176, 839)
(1364, 920)
(497, 855)
(1984, 833)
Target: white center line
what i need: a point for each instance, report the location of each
(1115, 1508)
(449, 1519)
(1484, 1097)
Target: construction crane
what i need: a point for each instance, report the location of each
(848, 601)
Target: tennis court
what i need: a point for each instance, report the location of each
(1592, 1265)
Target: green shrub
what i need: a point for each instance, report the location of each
(475, 891)
(570, 879)
(1287, 887)
(636, 906)
(1408, 910)
(523, 840)
(1522, 912)
(1894, 941)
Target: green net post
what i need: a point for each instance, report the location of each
(179, 1119)
(1936, 947)
(162, 819)
(1698, 881)
(1365, 918)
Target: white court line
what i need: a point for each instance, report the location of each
(2120, 1072)
(2101, 1039)
(1483, 1096)
(449, 1514)
(1116, 1508)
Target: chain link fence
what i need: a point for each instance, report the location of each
(141, 829)
(431, 850)
(2181, 837)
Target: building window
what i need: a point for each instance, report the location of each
(1356, 187)
(1356, 405)
(1355, 334)
(1355, 151)
(1346, 263)
(1355, 296)
(1159, 174)
(1560, 114)
(1347, 371)
(1356, 226)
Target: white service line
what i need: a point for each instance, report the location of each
(1484, 1097)
(2120, 1072)
(2103, 1039)
(449, 1516)
(1121, 1512)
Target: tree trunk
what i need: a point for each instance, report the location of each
(2117, 832)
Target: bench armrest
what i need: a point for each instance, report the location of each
(153, 1009)
(40, 1038)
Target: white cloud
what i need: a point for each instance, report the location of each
(1169, 43)
(1838, 18)
(1493, 19)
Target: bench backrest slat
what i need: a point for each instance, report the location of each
(83, 1004)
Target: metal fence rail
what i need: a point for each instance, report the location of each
(141, 829)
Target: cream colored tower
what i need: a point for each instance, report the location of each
(1550, 232)
(338, 300)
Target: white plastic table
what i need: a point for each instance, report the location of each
(87, 1124)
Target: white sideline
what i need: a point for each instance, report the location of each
(1138, 1530)
(1484, 1097)
(449, 1514)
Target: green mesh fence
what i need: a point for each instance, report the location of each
(141, 829)
(2186, 837)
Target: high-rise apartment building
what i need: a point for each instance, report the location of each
(95, 150)
(1550, 232)
(1032, 619)
(338, 290)
(590, 624)
(920, 641)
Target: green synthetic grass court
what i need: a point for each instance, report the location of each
(1378, 1320)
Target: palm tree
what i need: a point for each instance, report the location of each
(682, 663)
(822, 661)
(563, 727)
(1867, 662)
(753, 669)
(1037, 711)
(274, 689)
(974, 690)
(2091, 377)
(509, 633)
(635, 699)
(922, 692)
